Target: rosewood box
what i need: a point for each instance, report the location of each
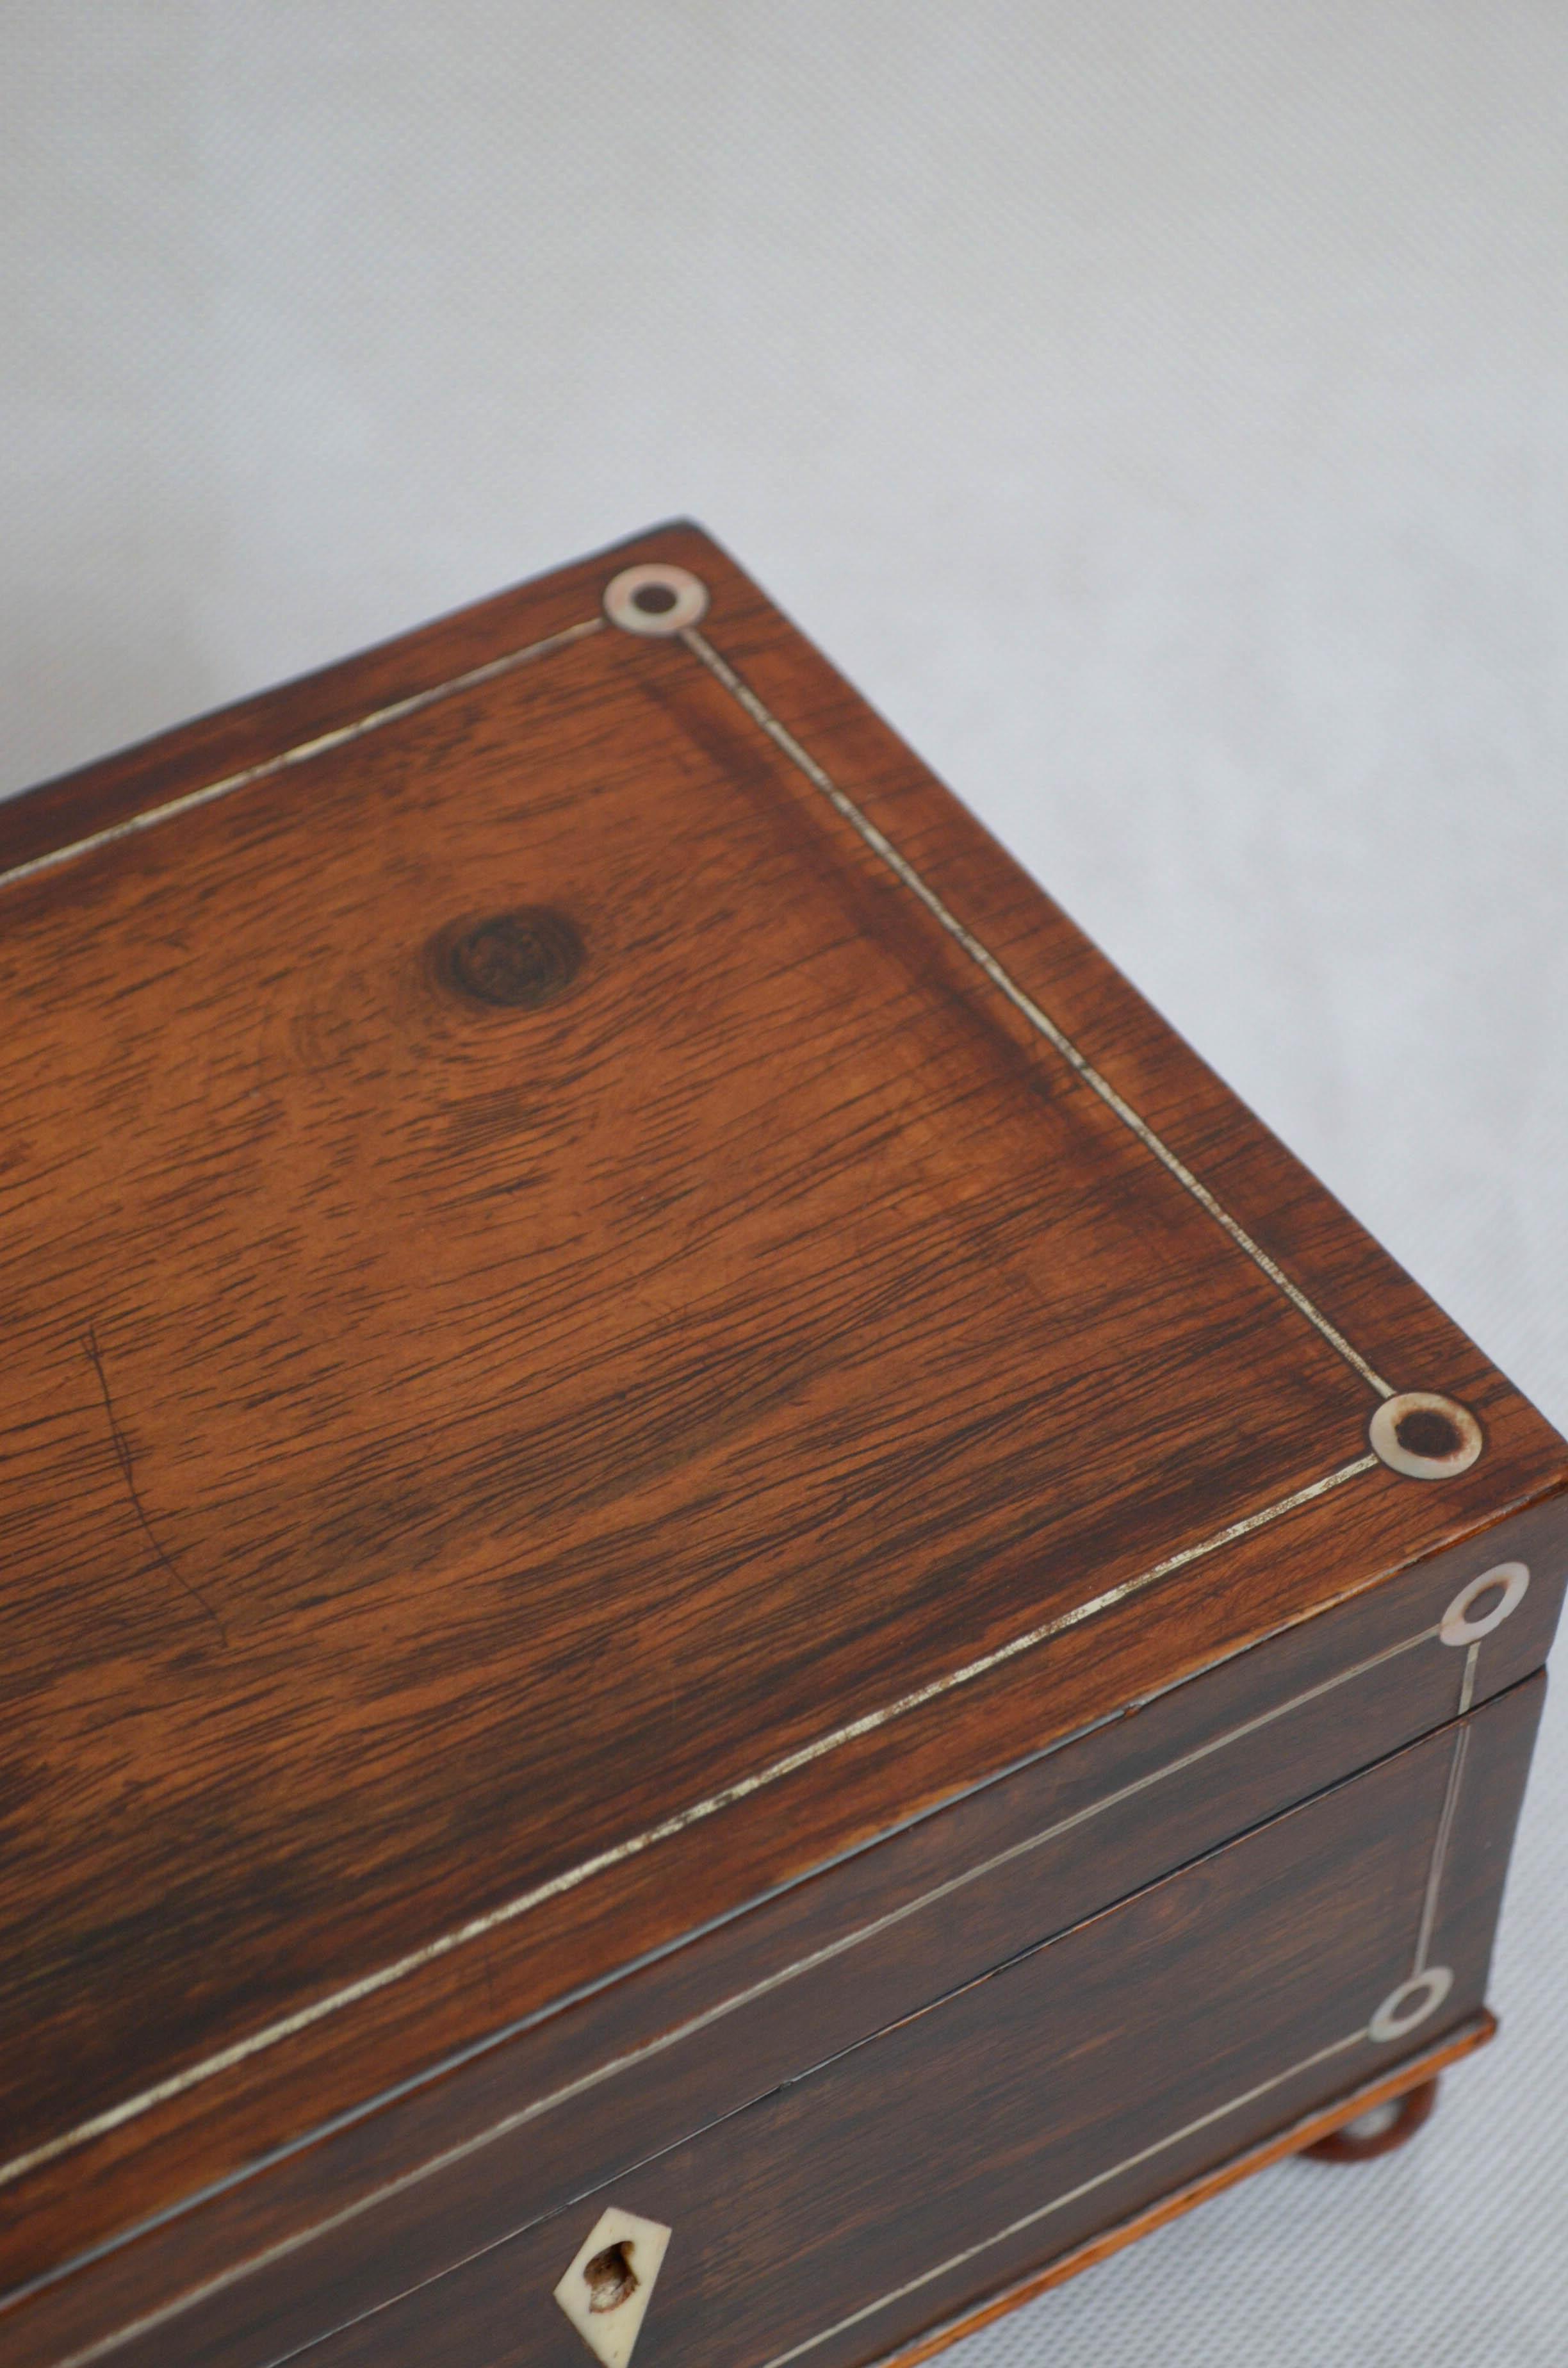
(730, 1624)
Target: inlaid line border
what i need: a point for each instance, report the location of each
(1370, 2034)
(1074, 2196)
(322, 745)
(1038, 1018)
(612, 2069)
(225, 2059)
(1441, 1845)
(697, 642)
(476, 1928)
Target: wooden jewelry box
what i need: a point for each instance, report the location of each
(730, 1624)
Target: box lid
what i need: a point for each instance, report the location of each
(605, 1303)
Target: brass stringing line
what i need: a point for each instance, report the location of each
(122, 2335)
(898, 864)
(339, 737)
(710, 2015)
(1467, 1683)
(1038, 1020)
(289, 2025)
(1441, 1852)
(475, 1929)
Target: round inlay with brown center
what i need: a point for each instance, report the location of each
(1427, 1431)
(1424, 1435)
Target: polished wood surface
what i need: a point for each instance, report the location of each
(1312, 2131)
(1016, 2120)
(572, 2101)
(563, 1338)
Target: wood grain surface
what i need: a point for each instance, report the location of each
(1017, 2118)
(462, 2160)
(548, 1298)
(1323, 2121)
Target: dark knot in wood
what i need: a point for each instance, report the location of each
(519, 960)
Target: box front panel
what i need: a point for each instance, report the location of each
(414, 2188)
(950, 2154)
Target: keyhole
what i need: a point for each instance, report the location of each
(610, 2277)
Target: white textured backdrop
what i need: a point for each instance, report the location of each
(1159, 410)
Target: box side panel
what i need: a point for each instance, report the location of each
(561, 2108)
(948, 2156)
